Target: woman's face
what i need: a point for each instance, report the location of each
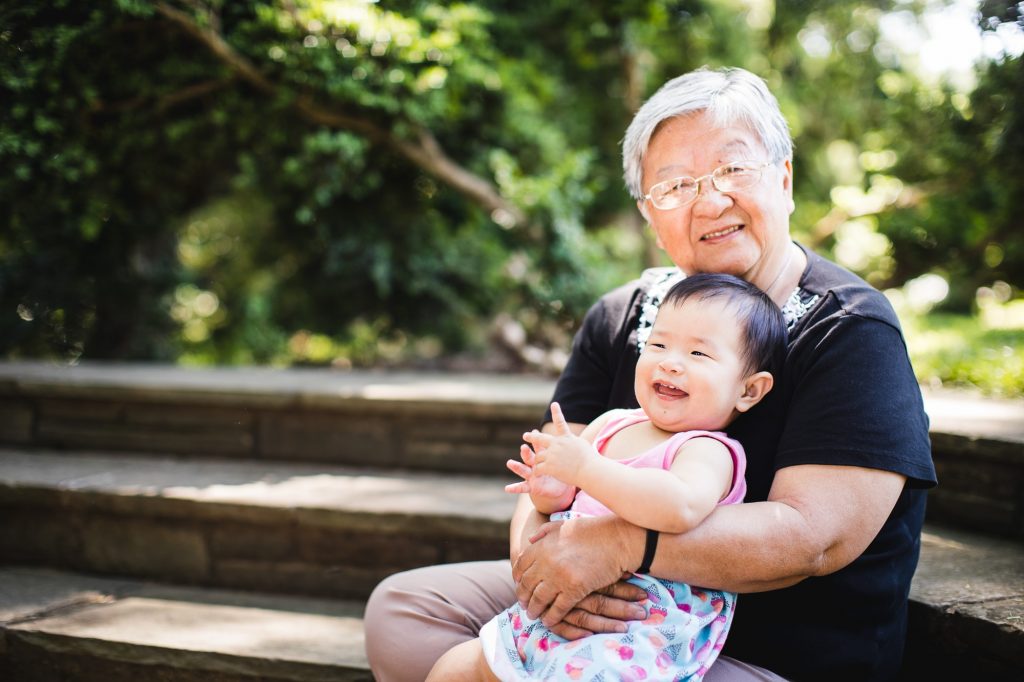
(744, 232)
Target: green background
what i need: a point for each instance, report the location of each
(428, 184)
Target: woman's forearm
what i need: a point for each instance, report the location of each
(817, 520)
(740, 548)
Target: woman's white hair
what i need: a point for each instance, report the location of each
(729, 96)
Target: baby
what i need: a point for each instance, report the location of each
(664, 467)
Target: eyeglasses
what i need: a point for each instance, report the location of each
(684, 189)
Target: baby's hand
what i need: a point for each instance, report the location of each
(536, 485)
(561, 454)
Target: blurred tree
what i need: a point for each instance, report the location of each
(246, 181)
(963, 213)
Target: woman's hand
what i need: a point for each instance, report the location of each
(571, 576)
(605, 610)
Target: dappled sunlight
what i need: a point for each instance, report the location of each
(436, 389)
(225, 629)
(996, 309)
(947, 41)
(265, 484)
(381, 493)
(981, 351)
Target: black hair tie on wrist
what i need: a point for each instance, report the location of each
(650, 547)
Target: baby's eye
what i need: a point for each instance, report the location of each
(656, 345)
(699, 354)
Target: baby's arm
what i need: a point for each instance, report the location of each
(672, 501)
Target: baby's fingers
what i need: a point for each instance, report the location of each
(519, 469)
(520, 487)
(538, 440)
(558, 419)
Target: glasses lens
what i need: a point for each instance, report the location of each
(673, 193)
(736, 176)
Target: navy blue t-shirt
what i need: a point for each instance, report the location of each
(846, 395)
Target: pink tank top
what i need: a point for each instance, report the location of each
(661, 456)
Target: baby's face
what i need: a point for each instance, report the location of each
(691, 373)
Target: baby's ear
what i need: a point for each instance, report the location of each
(755, 387)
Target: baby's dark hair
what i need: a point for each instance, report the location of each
(763, 327)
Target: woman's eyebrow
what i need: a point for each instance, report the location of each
(735, 144)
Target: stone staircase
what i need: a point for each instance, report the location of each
(166, 524)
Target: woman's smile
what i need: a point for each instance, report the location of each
(724, 232)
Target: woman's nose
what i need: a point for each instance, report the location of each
(710, 200)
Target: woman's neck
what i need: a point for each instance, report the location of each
(788, 276)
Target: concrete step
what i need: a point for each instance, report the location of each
(284, 527)
(460, 423)
(439, 422)
(66, 626)
(966, 617)
(967, 603)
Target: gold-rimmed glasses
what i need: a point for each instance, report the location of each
(684, 189)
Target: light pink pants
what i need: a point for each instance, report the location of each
(414, 617)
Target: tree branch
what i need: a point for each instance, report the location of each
(163, 102)
(191, 92)
(424, 151)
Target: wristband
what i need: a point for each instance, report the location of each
(650, 547)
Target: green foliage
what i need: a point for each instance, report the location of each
(979, 351)
(96, 178)
(964, 217)
(257, 181)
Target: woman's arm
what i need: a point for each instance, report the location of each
(817, 520)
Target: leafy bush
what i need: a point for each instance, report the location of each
(307, 181)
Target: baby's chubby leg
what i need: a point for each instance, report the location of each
(463, 663)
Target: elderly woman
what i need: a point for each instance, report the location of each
(823, 549)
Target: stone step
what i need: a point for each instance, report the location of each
(65, 626)
(469, 423)
(440, 422)
(288, 527)
(966, 617)
(967, 607)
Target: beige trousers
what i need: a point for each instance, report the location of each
(414, 617)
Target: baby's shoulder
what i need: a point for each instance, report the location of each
(611, 418)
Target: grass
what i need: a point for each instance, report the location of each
(984, 352)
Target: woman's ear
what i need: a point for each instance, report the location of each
(787, 185)
(641, 206)
(755, 387)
